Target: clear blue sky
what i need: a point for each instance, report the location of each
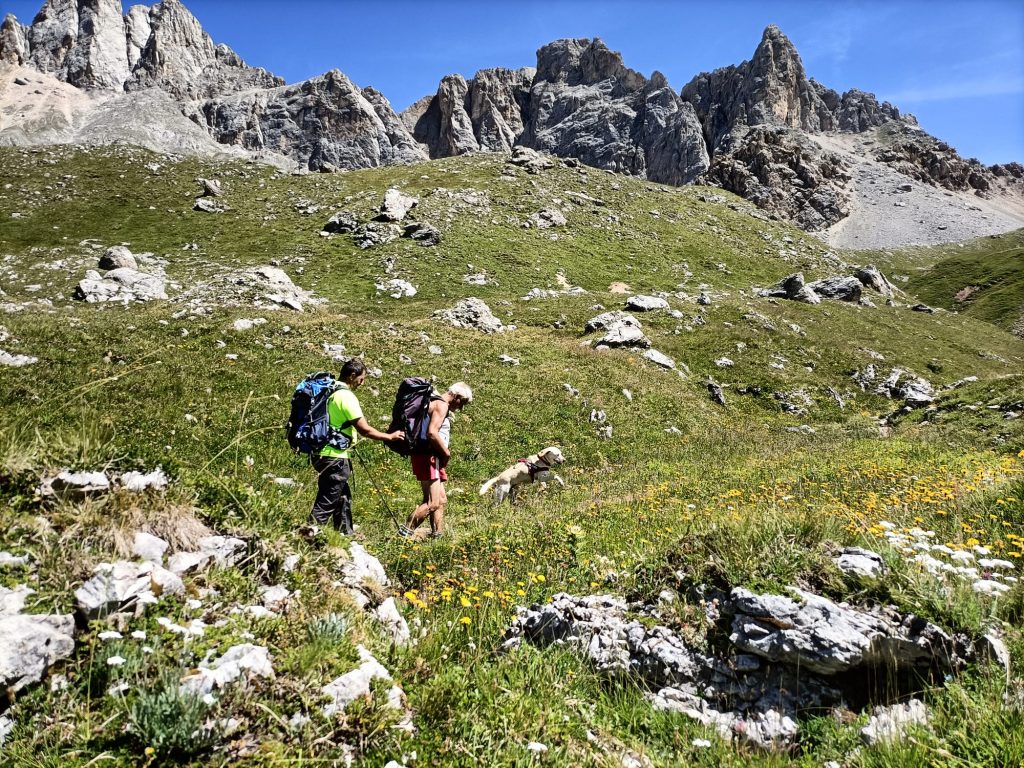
(958, 65)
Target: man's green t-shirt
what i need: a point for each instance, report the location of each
(343, 408)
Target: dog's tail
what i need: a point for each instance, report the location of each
(487, 486)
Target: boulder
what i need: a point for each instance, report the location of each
(645, 303)
(819, 636)
(137, 482)
(375, 233)
(861, 563)
(871, 277)
(208, 205)
(792, 287)
(181, 563)
(837, 288)
(74, 485)
(355, 684)
(715, 391)
(546, 218)
(225, 551)
(146, 546)
(16, 361)
(362, 568)
(659, 358)
(916, 391)
(530, 160)
(342, 222)
(243, 662)
(120, 284)
(210, 187)
(30, 645)
(606, 320)
(891, 723)
(396, 205)
(116, 257)
(7, 560)
(623, 335)
(422, 233)
(397, 289)
(123, 585)
(471, 313)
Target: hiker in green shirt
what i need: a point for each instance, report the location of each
(334, 465)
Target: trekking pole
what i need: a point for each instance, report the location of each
(380, 494)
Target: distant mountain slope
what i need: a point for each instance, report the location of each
(984, 279)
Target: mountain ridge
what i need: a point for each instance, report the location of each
(750, 128)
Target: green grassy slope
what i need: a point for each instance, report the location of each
(983, 278)
(728, 495)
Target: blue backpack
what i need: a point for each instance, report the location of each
(309, 428)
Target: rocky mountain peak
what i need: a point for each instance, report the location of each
(13, 41)
(181, 58)
(581, 61)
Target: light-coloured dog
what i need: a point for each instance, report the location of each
(532, 469)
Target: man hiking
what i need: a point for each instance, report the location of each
(430, 467)
(334, 465)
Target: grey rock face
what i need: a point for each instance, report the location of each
(914, 153)
(13, 41)
(585, 103)
(53, 35)
(180, 58)
(483, 114)
(782, 172)
(137, 31)
(773, 89)
(322, 122)
(31, 644)
(99, 58)
(471, 313)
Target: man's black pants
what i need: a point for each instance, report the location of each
(333, 493)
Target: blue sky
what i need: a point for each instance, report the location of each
(958, 65)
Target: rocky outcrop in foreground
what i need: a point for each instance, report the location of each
(777, 655)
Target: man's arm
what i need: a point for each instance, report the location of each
(438, 410)
(363, 428)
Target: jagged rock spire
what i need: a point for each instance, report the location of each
(13, 41)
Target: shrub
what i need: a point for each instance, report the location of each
(170, 721)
